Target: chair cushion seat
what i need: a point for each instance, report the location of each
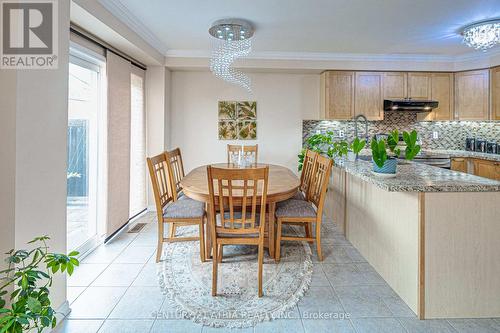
(184, 209)
(295, 208)
(298, 196)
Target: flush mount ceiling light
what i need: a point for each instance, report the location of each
(482, 35)
(231, 40)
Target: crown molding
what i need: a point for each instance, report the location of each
(316, 56)
(121, 12)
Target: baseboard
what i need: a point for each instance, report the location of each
(61, 313)
(64, 309)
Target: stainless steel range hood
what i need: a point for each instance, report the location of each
(409, 104)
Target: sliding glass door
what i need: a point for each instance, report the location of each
(83, 152)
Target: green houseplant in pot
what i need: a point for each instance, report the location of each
(357, 145)
(25, 287)
(324, 144)
(385, 162)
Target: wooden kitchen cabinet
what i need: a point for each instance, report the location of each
(419, 85)
(337, 95)
(487, 169)
(495, 93)
(459, 164)
(442, 90)
(395, 85)
(368, 97)
(472, 95)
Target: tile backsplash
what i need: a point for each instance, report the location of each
(451, 134)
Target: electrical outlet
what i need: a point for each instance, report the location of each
(435, 135)
(341, 133)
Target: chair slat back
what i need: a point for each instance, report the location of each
(248, 151)
(158, 172)
(319, 182)
(307, 171)
(234, 192)
(176, 169)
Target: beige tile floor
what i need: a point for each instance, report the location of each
(116, 290)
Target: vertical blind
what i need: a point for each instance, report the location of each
(118, 72)
(137, 143)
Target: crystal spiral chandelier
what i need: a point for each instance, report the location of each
(231, 40)
(482, 35)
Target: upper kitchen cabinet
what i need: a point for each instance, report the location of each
(337, 95)
(495, 93)
(472, 95)
(442, 91)
(419, 85)
(368, 95)
(395, 85)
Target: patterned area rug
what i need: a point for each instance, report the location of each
(188, 282)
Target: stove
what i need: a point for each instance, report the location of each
(437, 160)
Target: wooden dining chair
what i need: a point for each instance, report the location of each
(300, 212)
(306, 175)
(170, 210)
(174, 158)
(248, 151)
(237, 213)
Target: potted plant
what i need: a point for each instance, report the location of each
(356, 146)
(385, 162)
(25, 283)
(324, 144)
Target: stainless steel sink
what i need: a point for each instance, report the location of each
(365, 157)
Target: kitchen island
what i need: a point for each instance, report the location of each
(432, 234)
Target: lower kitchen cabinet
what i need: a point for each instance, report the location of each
(459, 164)
(478, 167)
(487, 169)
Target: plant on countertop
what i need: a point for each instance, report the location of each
(379, 152)
(412, 149)
(379, 148)
(324, 144)
(30, 305)
(357, 145)
(392, 143)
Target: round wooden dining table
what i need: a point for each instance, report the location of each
(282, 185)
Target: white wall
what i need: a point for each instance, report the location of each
(157, 116)
(283, 101)
(35, 110)
(8, 83)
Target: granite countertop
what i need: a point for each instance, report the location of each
(418, 177)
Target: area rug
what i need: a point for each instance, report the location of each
(188, 282)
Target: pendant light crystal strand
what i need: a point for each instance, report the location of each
(231, 40)
(223, 56)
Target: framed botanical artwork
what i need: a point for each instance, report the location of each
(237, 120)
